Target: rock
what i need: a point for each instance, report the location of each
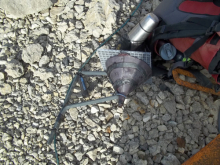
(146, 117)
(78, 156)
(161, 95)
(66, 79)
(47, 97)
(153, 133)
(155, 149)
(32, 53)
(56, 11)
(19, 9)
(166, 117)
(44, 60)
(73, 113)
(100, 14)
(31, 130)
(6, 137)
(78, 8)
(196, 107)
(113, 127)
(162, 128)
(157, 158)
(91, 123)
(170, 159)
(94, 109)
(170, 106)
(118, 150)
(142, 97)
(71, 36)
(2, 76)
(64, 138)
(137, 116)
(91, 137)
(211, 128)
(14, 69)
(43, 74)
(92, 154)
(5, 89)
(108, 115)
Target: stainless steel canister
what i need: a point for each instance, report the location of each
(142, 30)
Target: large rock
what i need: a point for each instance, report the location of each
(14, 69)
(32, 53)
(101, 14)
(21, 8)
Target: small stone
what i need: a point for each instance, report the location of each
(2, 76)
(162, 128)
(157, 158)
(94, 109)
(211, 128)
(166, 117)
(14, 69)
(32, 53)
(113, 127)
(137, 116)
(92, 124)
(108, 115)
(6, 137)
(170, 106)
(70, 37)
(170, 159)
(118, 150)
(161, 95)
(196, 107)
(5, 89)
(92, 154)
(78, 8)
(79, 25)
(78, 156)
(146, 117)
(91, 137)
(73, 113)
(66, 79)
(142, 97)
(153, 133)
(56, 11)
(44, 60)
(31, 130)
(64, 138)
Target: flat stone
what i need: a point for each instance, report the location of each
(142, 97)
(73, 113)
(162, 128)
(113, 127)
(211, 128)
(146, 117)
(118, 150)
(92, 154)
(170, 106)
(153, 133)
(44, 60)
(137, 116)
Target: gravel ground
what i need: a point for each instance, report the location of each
(39, 55)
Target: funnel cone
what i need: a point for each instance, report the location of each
(126, 74)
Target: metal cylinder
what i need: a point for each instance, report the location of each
(142, 30)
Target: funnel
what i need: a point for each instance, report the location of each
(126, 74)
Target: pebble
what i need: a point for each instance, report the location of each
(118, 150)
(94, 109)
(91, 137)
(162, 128)
(92, 154)
(113, 127)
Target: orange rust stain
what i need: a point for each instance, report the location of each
(178, 71)
(209, 155)
(127, 117)
(108, 130)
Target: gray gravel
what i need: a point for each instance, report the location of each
(39, 55)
